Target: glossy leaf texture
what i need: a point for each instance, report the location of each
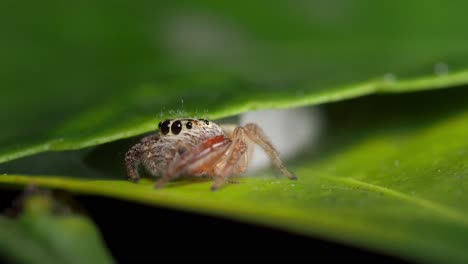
(390, 175)
(46, 231)
(80, 74)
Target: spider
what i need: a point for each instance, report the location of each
(196, 147)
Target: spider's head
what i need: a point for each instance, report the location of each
(189, 127)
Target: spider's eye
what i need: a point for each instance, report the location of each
(164, 127)
(189, 125)
(176, 127)
(205, 121)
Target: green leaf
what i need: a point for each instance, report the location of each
(79, 75)
(388, 178)
(40, 235)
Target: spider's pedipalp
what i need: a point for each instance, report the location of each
(197, 161)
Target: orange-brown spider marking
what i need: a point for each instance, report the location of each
(196, 147)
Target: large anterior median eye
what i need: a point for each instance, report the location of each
(176, 127)
(164, 127)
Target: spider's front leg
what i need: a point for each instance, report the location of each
(132, 161)
(256, 134)
(199, 160)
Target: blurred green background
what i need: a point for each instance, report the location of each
(77, 74)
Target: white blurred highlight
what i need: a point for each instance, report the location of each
(290, 131)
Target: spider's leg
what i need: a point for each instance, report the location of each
(132, 160)
(230, 161)
(256, 134)
(196, 161)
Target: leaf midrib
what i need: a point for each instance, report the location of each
(440, 209)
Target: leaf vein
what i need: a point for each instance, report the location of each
(441, 209)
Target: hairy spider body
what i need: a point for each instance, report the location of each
(196, 147)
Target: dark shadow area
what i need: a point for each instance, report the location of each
(63, 163)
(399, 111)
(105, 161)
(108, 159)
(350, 121)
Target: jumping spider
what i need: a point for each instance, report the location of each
(196, 147)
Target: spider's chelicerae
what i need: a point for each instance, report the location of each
(196, 147)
